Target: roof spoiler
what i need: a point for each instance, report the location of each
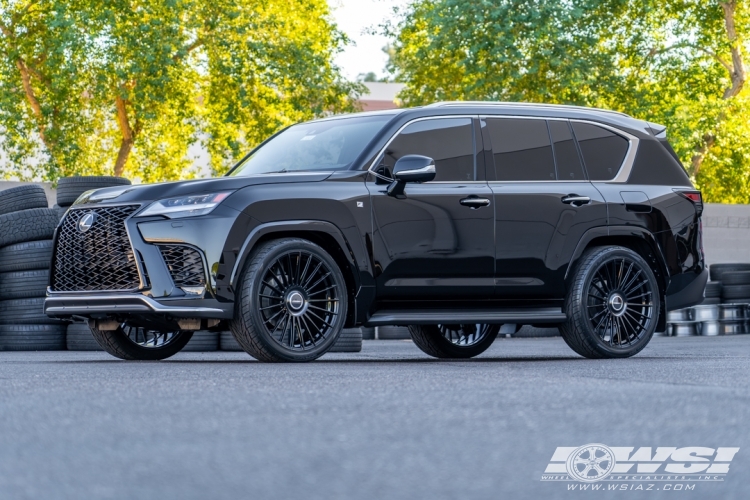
(659, 131)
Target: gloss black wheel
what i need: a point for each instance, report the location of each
(141, 344)
(292, 304)
(613, 306)
(454, 341)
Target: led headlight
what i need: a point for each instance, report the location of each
(185, 206)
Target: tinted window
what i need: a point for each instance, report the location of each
(322, 145)
(567, 160)
(603, 151)
(521, 149)
(448, 141)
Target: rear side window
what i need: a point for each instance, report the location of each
(521, 149)
(448, 141)
(603, 151)
(568, 161)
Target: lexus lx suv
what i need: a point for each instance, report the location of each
(452, 219)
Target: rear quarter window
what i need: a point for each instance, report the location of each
(603, 151)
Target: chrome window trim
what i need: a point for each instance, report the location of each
(415, 120)
(622, 176)
(627, 163)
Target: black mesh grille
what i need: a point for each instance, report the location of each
(100, 258)
(185, 265)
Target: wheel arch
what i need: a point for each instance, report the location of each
(636, 239)
(324, 234)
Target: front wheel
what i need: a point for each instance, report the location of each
(141, 344)
(613, 304)
(291, 305)
(454, 341)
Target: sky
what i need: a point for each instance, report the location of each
(354, 17)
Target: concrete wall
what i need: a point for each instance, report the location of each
(726, 228)
(726, 233)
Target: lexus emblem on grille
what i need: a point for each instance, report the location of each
(85, 222)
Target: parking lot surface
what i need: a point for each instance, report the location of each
(388, 422)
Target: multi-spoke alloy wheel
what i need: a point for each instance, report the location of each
(137, 343)
(613, 305)
(454, 341)
(292, 304)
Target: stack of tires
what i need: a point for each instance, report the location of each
(26, 230)
(78, 337)
(735, 283)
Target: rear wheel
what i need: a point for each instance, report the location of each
(454, 341)
(292, 302)
(613, 304)
(141, 344)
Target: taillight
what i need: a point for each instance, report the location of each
(694, 196)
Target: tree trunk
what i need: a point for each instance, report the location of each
(736, 75)
(126, 145)
(36, 108)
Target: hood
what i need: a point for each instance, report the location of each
(151, 192)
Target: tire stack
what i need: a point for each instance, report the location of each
(79, 336)
(26, 230)
(393, 333)
(350, 340)
(202, 341)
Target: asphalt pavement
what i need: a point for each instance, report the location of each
(386, 423)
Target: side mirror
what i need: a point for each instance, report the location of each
(411, 168)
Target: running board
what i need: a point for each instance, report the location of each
(525, 316)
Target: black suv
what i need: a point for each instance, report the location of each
(453, 219)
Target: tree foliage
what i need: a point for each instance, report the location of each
(677, 62)
(125, 87)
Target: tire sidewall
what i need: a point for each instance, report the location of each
(594, 340)
(249, 298)
(448, 349)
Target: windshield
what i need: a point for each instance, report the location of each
(324, 145)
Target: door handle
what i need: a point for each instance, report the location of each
(473, 202)
(575, 200)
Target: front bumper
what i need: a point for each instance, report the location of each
(121, 304)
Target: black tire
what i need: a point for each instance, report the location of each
(119, 344)
(32, 337)
(22, 198)
(350, 340)
(203, 341)
(277, 289)
(70, 188)
(604, 292)
(713, 289)
(27, 225)
(227, 342)
(731, 278)
(368, 333)
(735, 292)
(25, 312)
(716, 271)
(711, 301)
(453, 341)
(529, 331)
(79, 338)
(26, 256)
(393, 333)
(24, 284)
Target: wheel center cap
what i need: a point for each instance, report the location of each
(295, 301)
(617, 304)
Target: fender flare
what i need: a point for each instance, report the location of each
(291, 225)
(630, 231)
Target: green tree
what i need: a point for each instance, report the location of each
(124, 87)
(678, 62)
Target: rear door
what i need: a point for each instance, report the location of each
(543, 203)
(438, 241)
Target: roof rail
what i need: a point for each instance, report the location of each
(521, 104)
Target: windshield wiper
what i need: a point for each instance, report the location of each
(282, 171)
